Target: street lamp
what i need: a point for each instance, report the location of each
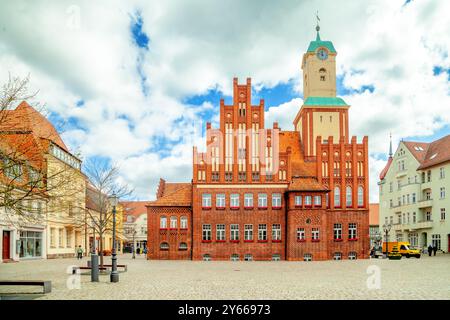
(94, 256)
(387, 229)
(113, 201)
(134, 243)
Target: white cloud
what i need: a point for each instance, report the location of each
(200, 45)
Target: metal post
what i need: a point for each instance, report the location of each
(114, 273)
(94, 259)
(134, 244)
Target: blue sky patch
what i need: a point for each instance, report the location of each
(140, 38)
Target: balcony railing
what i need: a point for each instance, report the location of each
(425, 203)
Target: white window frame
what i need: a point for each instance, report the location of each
(234, 232)
(276, 232)
(163, 222)
(301, 235)
(262, 200)
(234, 200)
(337, 231)
(262, 232)
(220, 232)
(206, 232)
(220, 200)
(206, 200)
(352, 230)
(298, 201)
(183, 222)
(173, 222)
(248, 200)
(248, 232)
(276, 200)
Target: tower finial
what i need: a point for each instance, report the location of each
(390, 145)
(317, 26)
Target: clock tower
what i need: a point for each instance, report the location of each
(322, 114)
(319, 69)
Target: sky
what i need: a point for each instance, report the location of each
(135, 82)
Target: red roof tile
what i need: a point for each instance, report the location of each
(134, 208)
(385, 169)
(173, 195)
(306, 184)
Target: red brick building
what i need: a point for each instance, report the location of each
(267, 194)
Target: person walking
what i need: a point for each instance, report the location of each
(79, 252)
(434, 250)
(430, 250)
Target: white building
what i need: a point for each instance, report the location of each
(135, 223)
(414, 197)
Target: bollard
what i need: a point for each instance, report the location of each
(89, 263)
(94, 268)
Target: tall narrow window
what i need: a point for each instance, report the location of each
(337, 231)
(183, 222)
(337, 196)
(173, 222)
(248, 200)
(276, 232)
(348, 196)
(301, 234)
(360, 196)
(163, 222)
(298, 201)
(262, 232)
(234, 232)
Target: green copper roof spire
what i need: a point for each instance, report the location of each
(314, 45)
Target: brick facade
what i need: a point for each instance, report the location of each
(322, 183)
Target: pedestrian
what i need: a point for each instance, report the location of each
(138, 251)
(430, 250)
(145, 250)
(80, 252)
(434, 250)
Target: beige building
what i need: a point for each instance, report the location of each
(135, 224)
(46, 222)
(414, 198)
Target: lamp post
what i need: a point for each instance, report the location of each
(94, 256)
(134, 242)
(387, 229)
(113, 200)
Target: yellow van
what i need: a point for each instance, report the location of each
(403, 248)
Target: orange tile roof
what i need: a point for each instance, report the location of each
(306, 184)
(26, 119)
(290, 140)
(173, 194)
(374, 214)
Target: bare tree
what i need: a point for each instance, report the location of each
(104, 181)
(28, 178)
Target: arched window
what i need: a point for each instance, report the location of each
(182, 246)
(173, 222)
(164, 246)
(322, 74)
(360, 196)
(163, 222)
(337, 196)
(348, 196)
(183, 222)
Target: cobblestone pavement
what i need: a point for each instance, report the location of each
(425, 278)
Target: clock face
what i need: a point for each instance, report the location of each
(322, 54)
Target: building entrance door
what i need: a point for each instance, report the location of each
(6, 255)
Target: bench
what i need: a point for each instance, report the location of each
(124, 266)
(86, 268)
(47, 285)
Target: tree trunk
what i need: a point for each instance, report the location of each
(100, 253)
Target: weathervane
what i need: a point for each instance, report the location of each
(318, 19)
